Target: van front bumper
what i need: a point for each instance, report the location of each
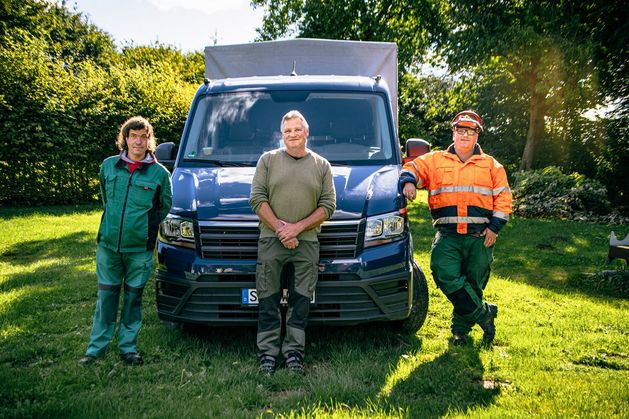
(375, 286)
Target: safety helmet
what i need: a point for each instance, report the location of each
(468, 119)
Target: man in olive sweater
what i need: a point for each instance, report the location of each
(292, 193)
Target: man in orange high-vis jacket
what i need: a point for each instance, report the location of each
(470, 201)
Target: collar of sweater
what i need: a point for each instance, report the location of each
(148, 159)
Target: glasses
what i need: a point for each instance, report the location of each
(466, 131)
(142, 137)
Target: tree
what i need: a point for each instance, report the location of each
(608, 22)
(408, 23)
(548, 49)
(68, 36)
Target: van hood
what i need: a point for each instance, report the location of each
(222, 193)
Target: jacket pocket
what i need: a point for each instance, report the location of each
(444, 175)
(110, 187)
(142, 193)
(264, 279)
(482, 174)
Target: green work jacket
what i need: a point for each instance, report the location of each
(134, 204)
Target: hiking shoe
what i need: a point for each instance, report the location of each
(459, 339)
(267, 364)
(295, 363)
(132, 358)
(488, 326)
(87, 360)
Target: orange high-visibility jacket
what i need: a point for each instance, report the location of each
(464, 197)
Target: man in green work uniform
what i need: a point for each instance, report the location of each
(136, 193)
(292, 193)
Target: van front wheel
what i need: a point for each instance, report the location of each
(419, 311)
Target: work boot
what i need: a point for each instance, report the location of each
(488, 326)
(295, 363)
(459, 339)
(132, 358)
(267, 364)
(87, 360)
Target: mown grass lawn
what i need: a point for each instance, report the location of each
(562, 347)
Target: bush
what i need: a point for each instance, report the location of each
(59, 117)
(549, 193)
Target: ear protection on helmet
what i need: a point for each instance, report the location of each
(469, 117)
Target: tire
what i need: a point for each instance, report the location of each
(419, 310)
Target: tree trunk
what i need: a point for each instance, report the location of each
(537, 110)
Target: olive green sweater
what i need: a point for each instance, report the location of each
(294, 188)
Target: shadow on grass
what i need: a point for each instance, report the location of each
(557, 255)
(551, 254)
(37, 299)
(8, 213)
(80, 243)
(240, 339)
(451, 383)
(369, 370)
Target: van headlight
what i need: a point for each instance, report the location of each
(384, 228)
(177, 230)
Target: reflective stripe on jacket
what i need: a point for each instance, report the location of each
(464, 197)
(133, 204)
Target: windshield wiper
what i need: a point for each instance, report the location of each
(221, 163)
(231, 163)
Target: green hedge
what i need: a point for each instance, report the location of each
(59, 118)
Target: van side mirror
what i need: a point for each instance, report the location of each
(166, 154)
(416, 147)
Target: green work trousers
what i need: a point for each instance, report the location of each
(114, 271)
(460, 266)
(272, 256)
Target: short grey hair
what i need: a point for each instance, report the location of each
(292, 115)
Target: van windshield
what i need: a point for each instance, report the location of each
(236, 128)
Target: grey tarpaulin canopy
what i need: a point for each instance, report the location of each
(312, 57)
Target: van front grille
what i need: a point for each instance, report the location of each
(239, 240)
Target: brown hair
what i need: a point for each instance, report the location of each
(136, 123)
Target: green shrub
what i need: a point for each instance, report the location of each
(59, 118)
(549, 193)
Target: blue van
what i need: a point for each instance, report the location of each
(207, 245)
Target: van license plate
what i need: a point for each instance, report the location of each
(249, 297)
